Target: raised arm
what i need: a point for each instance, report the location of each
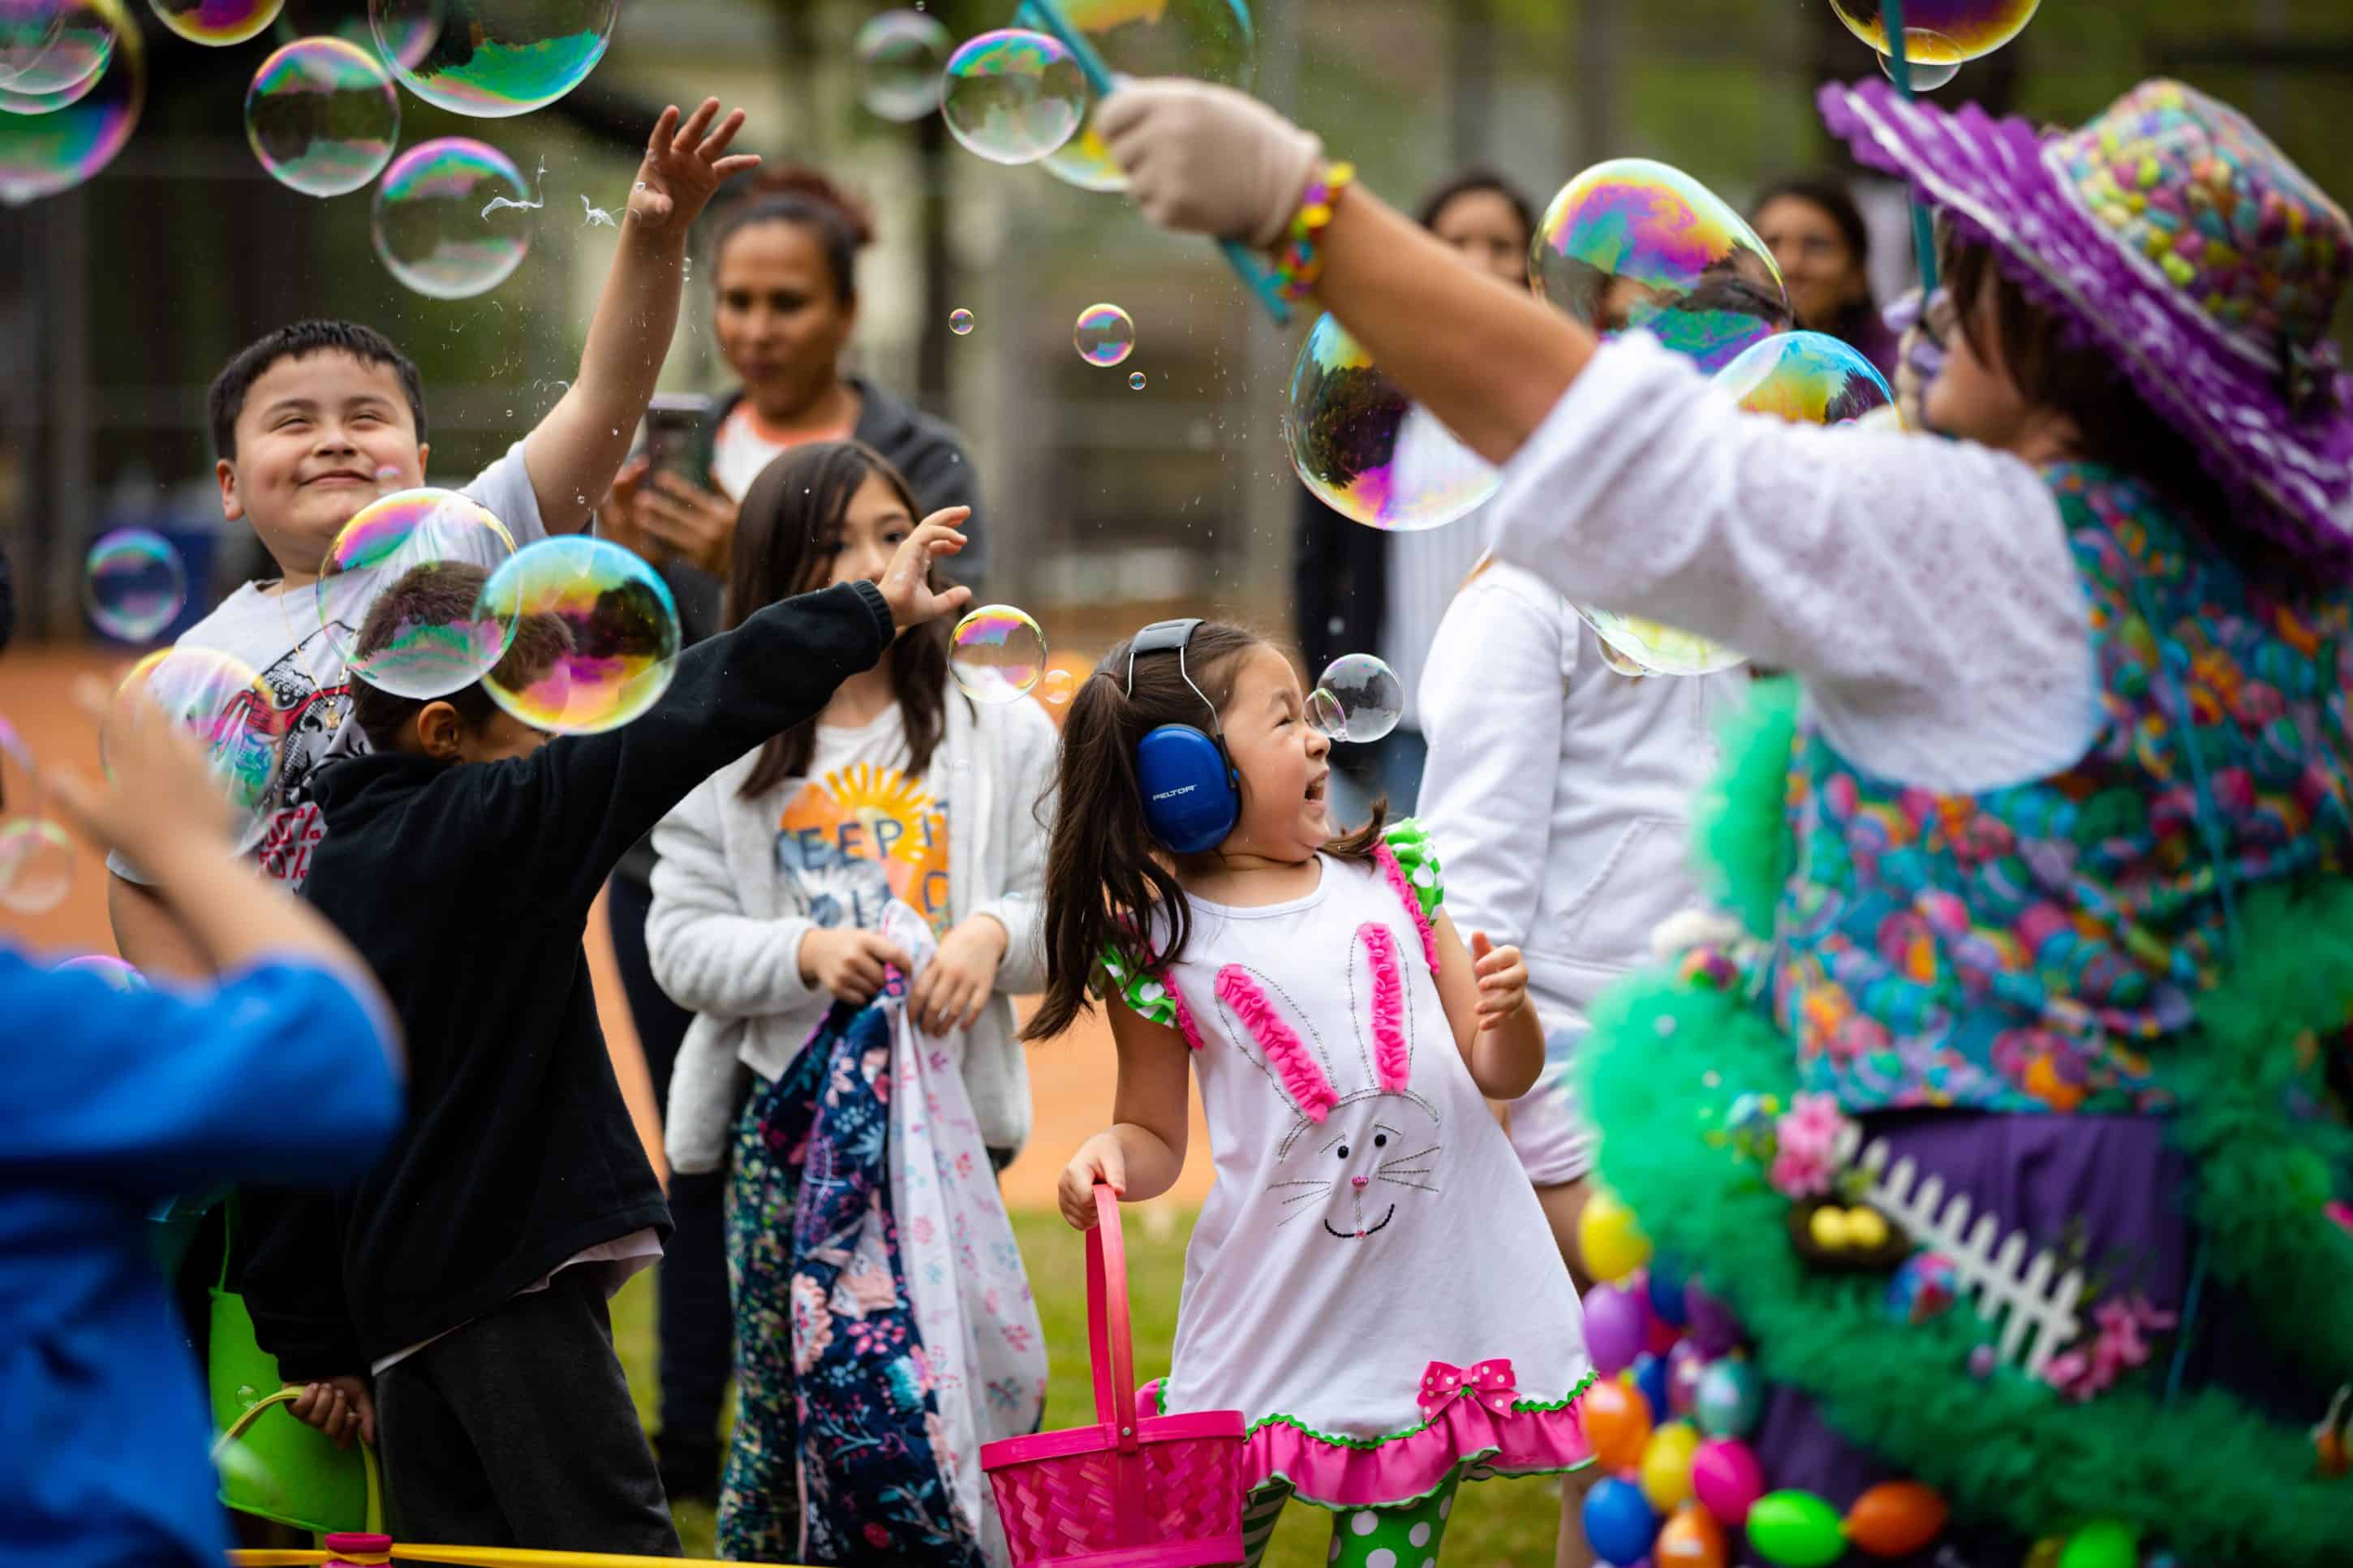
(579, 446)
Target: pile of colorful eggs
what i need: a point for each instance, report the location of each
(1670, 1415)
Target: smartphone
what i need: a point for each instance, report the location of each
(674, 422)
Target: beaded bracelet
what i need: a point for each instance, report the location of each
(1303, 257)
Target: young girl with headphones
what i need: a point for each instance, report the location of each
(1371, 1281)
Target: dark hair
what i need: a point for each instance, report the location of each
(226, 401)
(800, 194)
(1106, 878)
(1857, 321)
(791, 513)
(442, 594)
(1473, 181)
(2117, 428)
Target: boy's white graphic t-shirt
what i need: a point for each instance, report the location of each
(283, 638)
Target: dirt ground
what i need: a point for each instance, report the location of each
(1070, 1077)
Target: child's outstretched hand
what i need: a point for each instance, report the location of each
(906, 583)
(1098, 1163)
(684, 165)
(342, 1407)
(1503, 981)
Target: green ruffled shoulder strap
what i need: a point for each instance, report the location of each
(1417, 859)
(1140, 990)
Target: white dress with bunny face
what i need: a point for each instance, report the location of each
(1370, 1231)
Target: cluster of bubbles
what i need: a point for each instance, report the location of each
(900, 57)
(1939, 35)
(430, 224)
(216, 22)
(1369, 451)
(36, 859)
(322, 116)
(996, 654)
(493, 58)
(73, 80)
(594, 635)
(133, 584)
(1358, 698)
(1013, 96)
(389, 538)
(1104, 336)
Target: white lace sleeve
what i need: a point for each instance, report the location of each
(1922, 588)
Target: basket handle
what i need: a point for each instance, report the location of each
(367, 1454)
(1107, 1326)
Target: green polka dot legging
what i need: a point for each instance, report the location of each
(1405, 1536)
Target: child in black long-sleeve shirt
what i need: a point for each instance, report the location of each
(468, 1275)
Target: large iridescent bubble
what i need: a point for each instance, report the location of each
(1367, 450)
(433, 228)
(411, 34)
(900, 57)
(493, 58)
(49, 45)
(1632, 243)
(1968, 28)
(997, 653)
(1806, 378)
(45, 149)
(216, 22)
(322, 116)
(595, 635)
(1013, 96)
(1208, 40)
(218, 699)
(389, 538)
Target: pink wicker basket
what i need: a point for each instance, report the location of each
(1155, 1492)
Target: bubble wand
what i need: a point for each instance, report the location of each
(1924, 234)
(1046, 15)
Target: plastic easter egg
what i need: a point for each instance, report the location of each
(1617, 1327)
(1713, 1327)
(1617, 1424)
(1608, 1240)
(1686, 1365)
(2103, 1543)
(1729, 1398)
(1618, 1524)
(1896, 1519)
(1666, 1472)
(1651, 1382)
(1665, 1290)
(1794, 1529)
(1726, 1480)
(1691, 1539)
(1924, 1286)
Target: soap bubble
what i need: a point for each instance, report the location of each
(1655, 649)
(1931, 59)
(1806, 378)
(1632, 243)
(218, 699)
(55, 143)
(1369, 452)
(493, 58)
(1324, 715)
(118, 974)
(1971, 28)
(1013, 96)
(1057, 686)
(1622, 664)
(36, 859)
(216, 22)
(900, 56)
(389, 538)
(604, 623)
(322, 116)
(49, 45)
(1135, 382)
(1105, 336)
(1208, 40)
(132, 585)
(1370, 697)
(960, 323)
(997, 653)
(429, 229)
(410, 37)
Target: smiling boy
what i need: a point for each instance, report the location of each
(317, 419)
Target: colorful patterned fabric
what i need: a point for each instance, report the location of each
(838, 1421)
(2033, 948)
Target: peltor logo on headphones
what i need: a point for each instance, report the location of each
(1173, 794)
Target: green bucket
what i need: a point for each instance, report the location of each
(289, 1472)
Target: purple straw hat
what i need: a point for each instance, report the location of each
(2171, 233)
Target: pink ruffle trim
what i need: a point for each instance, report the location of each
(1185, 1024)
(1412, 901)
(1391, 1060)
(1285, 1053)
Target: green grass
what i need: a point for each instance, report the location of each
(1497, 1521)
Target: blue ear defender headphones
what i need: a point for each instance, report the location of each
(1192, 797)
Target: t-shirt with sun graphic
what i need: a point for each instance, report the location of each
(859, 832)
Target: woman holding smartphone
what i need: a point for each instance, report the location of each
(783, 306)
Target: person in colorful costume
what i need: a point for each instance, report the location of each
(1371, 1281)
(2005, 1121)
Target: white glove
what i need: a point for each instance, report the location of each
(1208, 160)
